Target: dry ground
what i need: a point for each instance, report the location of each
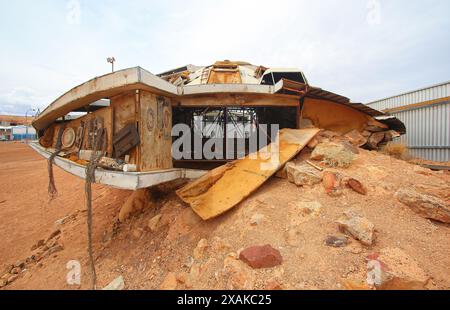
(144, 258)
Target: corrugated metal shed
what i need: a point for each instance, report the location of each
(426, 115)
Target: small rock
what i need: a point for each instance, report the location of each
(332, 183)
(12, 278)
(56, 248)
(16, 270)
(200, 249)
(261, 256)
(358, 227)
(273, 285)
(256, 219)
(170, 282)
(37, 245)
(356, 138)
(302, 174)
(53, 235)
(3, 282)
(117, 284)
(426, 206)
(393, 269)
(336, 242)
(356, 186)
(20, 264)
(375, 139)
(333, 154)
(153, 222)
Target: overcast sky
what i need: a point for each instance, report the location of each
(363, 49)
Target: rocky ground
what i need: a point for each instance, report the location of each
(314, 230)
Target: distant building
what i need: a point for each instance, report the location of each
(23, 133)
(13, 127)
(5, 133)
(426, 115)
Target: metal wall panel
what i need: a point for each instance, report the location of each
(421, 95)
(427, 128)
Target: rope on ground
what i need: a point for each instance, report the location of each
(99, 142)
(52, 191)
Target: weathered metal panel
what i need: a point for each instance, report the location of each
(427, 131)
(425, 94)
(427, 127)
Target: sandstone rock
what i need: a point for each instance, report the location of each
(393, 269)
(425, 205)
(375, 139)
(356, 138)
(16, 270)
(336, 241)
(256, 219)
(356, 186)
(153, 222)
(261, 256)
(56, 248)
(117, 284)
(12, 278)
(302, 174)
(38, 244)
(358, 227)
(170, 282)
(53, 235)
(333, 154)
(200, 249)
(332, 183)
(19, 264)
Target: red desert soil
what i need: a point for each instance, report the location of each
(166, 257)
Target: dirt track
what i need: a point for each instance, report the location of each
(145, 258)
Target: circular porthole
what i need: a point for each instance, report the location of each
(68, 137)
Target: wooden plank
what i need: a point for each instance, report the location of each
(224, 187)
(155, 131)
(247, 100)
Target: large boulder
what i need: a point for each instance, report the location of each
(425, 205)
(333, 154)
(302, 174)
(357, 226)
